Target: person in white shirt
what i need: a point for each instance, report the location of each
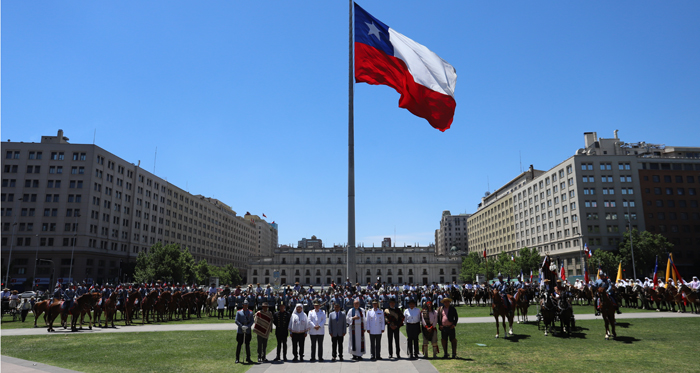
(317, 321)
(412, 320)
(695, 284)
(298, 326)
(220, 306)
(375, 328)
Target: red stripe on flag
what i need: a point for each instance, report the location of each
(375, 67)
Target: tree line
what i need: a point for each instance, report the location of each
(173, 264)
(647, 247)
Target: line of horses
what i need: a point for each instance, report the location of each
(155, 306)
(560, 308)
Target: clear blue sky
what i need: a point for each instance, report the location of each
(246, 101)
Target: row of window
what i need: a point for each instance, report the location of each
(55, 156)
(670, 191)
(606, 166)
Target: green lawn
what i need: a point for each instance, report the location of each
(202, 351)
(7, 322)
(643, 345)
(481, 311)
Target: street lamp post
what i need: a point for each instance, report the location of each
(629, 222)
(75, 240)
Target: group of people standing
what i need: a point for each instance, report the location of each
(353, 322)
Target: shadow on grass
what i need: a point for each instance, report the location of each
(622, 325)
(627, 340)
(461, 359)
(516, 337)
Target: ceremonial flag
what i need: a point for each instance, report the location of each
(385, 57)
(522, 278)
(619, 272)
(676, 275)
(530, 275)
(563, 273)
(484, 253)
(668, 268)
(600, 270)
(512, 258)
(656, 269)
(586, 279)
(585, 250)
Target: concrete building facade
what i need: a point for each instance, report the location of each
(453, 233)
(593, 197)
(61, 200)
(393, 265)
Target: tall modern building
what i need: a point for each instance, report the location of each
(63, 201)
(452, 233)
(592, 198)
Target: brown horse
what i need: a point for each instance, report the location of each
(499, 309)
(160, 307)
(130, 305)
(147, 305)
(42, 307)
(174, 306)
(691, 297)
(521, 305)
(607, 310)
(109, 306)
(83, 303)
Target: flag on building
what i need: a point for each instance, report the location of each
(619, 272)
(264, 216)
(385, 57)
(656, 270)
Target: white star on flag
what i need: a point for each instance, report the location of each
(373, 30)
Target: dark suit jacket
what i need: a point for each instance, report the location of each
(337, 326)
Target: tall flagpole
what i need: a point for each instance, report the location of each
(351, 273)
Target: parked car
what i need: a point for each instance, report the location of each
(27, 294)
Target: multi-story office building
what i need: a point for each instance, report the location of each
(453, 233)
(593, 197)
(320, 266)
(62, 200)
(267, 234)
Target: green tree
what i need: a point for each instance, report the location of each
(608, 260)
(186, 263)
(471, 266)
(506, 266)
(144, 270)
(202, 272)
(528, 260)
(647, 246)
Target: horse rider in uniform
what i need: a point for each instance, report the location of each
(502, 288)
(608, 287)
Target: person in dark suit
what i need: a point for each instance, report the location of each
(337, 328)
(244, 321)
(281, 321)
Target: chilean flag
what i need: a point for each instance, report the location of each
(425, 81)
(656, 270)
(585, 250)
